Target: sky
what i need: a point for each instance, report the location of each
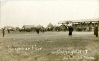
(19, 13)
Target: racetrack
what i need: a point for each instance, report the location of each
(49, 46)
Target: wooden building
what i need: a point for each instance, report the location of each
(82, 25)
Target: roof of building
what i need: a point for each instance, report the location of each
(64, 22)
(28, 26)
(81, 20)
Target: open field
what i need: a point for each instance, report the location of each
(49, 46)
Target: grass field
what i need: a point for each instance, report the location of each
(49, 46)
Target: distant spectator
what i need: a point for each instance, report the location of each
(96, 31)
(37, 30)
(70, 31)
(3, 31)
(8, 30)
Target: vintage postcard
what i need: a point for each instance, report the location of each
(49, 30)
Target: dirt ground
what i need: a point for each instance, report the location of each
(49, 46)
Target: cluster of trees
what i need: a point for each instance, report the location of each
(50, 27)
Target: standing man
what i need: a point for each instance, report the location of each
(96, 31)
(3, 31)
(8, 30)
(37, 30)
(70, 30)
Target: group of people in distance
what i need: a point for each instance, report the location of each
(70, 29)
(95, 30)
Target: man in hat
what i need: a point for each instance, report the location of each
(3, 31)
(37, 30)
(70, 30)
(96, 30)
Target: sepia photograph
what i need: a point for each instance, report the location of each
(49, 30)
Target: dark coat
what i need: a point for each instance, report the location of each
(96, 30)
(37, 30)
(70, 30)
(3, 32)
